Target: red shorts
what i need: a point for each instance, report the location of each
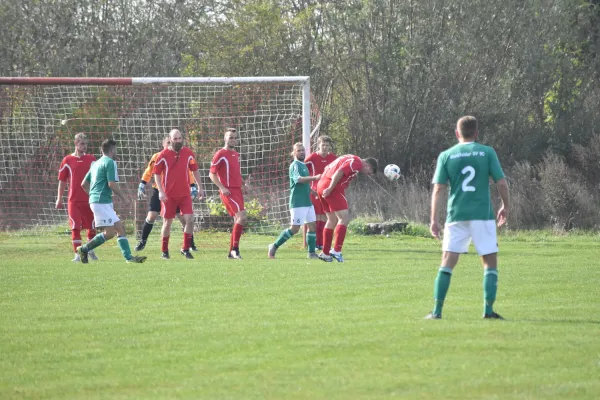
(234, 203)
(336, 201)
(169, 207)
(80, 215)
(317, 204)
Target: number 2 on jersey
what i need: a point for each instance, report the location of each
(471, 174)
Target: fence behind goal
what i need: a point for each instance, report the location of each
(40, 116)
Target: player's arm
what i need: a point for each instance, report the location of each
(215, 179)
(502, 186)
(114, 186)
(61, 190)
(335, 179)
(437, 198)
(146, 176)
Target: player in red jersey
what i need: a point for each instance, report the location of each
(171, 175)
(316, 163)
(225, 172)
(73, 169)
(331, 187)
(154, 206)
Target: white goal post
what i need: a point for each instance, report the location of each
(40, 116)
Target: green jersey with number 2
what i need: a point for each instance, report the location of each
(467, 168)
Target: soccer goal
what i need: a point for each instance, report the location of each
(40, 116)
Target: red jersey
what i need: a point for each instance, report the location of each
(316, 165)
(173, 167)
(74, 169)
(226, 164)
(348, 163)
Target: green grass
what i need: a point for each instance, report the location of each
(297, 329)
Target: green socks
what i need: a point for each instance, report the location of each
(124, 246)
(311, 240)
(442, 283)
(283, 237)
(95, 242)
(490, 287)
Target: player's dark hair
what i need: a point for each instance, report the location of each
(467, 127)
(108, 145)
(372, 162)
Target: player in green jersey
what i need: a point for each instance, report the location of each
(301, 207)
(467, 168)
(100, 182)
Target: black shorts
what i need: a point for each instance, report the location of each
(155, 202)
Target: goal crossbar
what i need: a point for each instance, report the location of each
(40, 115)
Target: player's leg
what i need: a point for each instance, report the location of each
(168, 212)
(456, 241)
(87, 222)
(486, 244)
(286, 234)
(190, 229)
(119, 230)
(321, 219)
(153, 210)
(311, 237)
(75, 225)
(340, 234)
(185, 205)
(236, 234)
(105, 217)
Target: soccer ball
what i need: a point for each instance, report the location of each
(392, 172)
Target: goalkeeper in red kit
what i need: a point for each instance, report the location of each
(331, 190)
(225, 172)
(171, 175)
(73, 169)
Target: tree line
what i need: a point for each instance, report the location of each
(391, 77)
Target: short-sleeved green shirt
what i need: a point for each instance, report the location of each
(299, 192)
(101, 172)
(467, 168)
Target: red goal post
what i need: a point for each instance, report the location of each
(40, 116)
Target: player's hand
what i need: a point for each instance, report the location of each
(317, 177)
(141, 193)
(327, 192)
(194, 192)
(225, 191)
(162, 196)
(434, 228)
(502, 216)
(59, 203)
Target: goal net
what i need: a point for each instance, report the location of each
(40, 116)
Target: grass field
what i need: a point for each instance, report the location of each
(297, 329)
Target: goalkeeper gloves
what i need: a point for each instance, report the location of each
(194, 191)
(141, 191)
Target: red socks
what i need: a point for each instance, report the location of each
(340, 235)
(327, 239)
(165, 244)
(235, 236)
(76, 239)
(320, 227)
(187, 240)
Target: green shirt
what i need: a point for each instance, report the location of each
(299, 192)
(101, 172)
(467, 167)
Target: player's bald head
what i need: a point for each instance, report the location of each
(174, 134)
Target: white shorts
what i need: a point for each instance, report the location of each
(458, 236)
(104, 214)
(303, 215)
